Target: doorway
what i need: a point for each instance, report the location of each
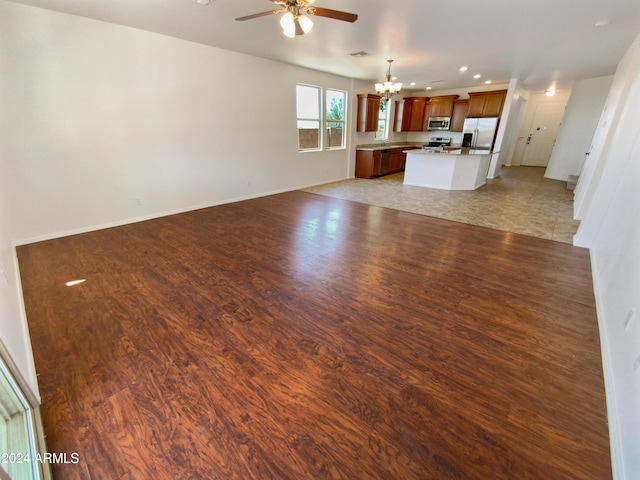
(542, 134)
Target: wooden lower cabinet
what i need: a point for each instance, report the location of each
(398, 159)
(367, 163)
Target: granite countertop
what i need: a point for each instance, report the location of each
(454, 151)
(379, 146)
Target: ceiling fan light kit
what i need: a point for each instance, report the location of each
(293, 25)
(295, 22)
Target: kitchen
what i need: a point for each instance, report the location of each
(465, 129)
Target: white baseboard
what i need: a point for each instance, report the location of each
(617, 464)
(127, 221)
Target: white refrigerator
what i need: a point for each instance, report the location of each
(479, 133)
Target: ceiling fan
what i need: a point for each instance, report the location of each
(294, 22)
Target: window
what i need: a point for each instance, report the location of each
(335, 102)
(383, 125)
(311, 119)
(17, 435)
(308, 108)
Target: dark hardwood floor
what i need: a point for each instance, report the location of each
(298, 336)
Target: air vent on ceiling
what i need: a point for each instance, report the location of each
(359, 54)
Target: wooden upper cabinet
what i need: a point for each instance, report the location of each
(460, 111)
(427, 114)
(407, 109)
(486, 104)
(442, 106)
(493, 104)
(414, 111)
(368, 108)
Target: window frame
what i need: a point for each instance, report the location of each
(19, 428)
(299, 119)
(387, 117)
(323, 121)
(343, 142)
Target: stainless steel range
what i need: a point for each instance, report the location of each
(437, 144)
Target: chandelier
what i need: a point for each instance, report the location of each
(387, 89)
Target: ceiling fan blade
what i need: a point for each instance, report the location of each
(257, 15)
(335, 14)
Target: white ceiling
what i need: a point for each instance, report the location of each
(545, 43)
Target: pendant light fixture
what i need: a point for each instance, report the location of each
(387, 89)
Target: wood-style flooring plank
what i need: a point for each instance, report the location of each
(298, 336)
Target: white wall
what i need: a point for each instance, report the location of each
(604, 140)
(576, 132)
(611, 229)
(506, 135)
(517, 100)
(96, 115)
(14, 334)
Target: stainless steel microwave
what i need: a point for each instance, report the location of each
(439, 123)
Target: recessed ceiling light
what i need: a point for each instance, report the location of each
(477, 75)
(413, 84)
(601, 23)
(464, 69)
(428, 88)
(550, 93)
(202, 2)
(487, 82)
(394, 78)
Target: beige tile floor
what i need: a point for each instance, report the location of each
(521, 200)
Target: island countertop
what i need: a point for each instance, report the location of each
(453, 151)
(457, 170)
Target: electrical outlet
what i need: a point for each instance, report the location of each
(629, 318)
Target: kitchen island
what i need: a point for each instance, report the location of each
(452, 170)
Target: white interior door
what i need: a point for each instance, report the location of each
(542, 134)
